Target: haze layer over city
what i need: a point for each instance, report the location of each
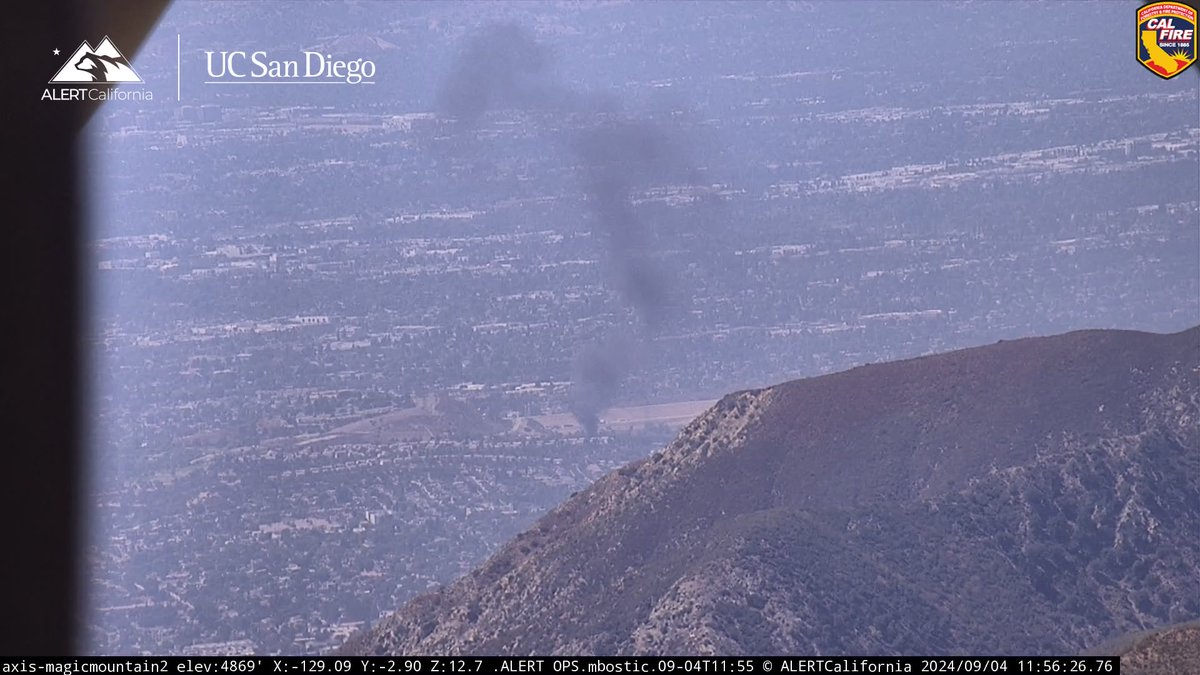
(347, 340)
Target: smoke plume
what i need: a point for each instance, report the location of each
(619, 156)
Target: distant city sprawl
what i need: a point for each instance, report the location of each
(334, 341)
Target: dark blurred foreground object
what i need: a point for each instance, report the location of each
(42, 463)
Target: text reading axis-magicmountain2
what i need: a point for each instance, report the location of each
(1106, 665)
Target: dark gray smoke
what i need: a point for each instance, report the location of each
(599, 369)
(503, 66)
(499, 68)
(617, 159)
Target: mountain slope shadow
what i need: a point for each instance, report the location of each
(1034, 496)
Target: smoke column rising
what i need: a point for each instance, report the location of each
(502, 66)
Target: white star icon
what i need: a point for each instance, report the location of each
(56, 52)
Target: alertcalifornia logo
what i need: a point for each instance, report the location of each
(89, 74)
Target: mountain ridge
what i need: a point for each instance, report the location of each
(1024, 475)
(1167, 650)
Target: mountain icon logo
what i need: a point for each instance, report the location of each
(103, 64)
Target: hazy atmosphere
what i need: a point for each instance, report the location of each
(353, 333)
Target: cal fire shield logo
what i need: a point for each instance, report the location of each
(1166, 41)
(105, 63)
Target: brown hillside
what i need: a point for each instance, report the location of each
(928, 425)
(1170, 650)
(1024, 497)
